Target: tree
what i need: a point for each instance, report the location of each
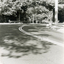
(11, 8)
(7, 10)
(17, 7)
(37, 13)
(30, 9)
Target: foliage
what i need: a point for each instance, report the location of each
(30, 10)
(10, 8)
(36, 12)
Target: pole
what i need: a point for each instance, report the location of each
(56, 11)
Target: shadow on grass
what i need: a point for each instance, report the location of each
(17, 44)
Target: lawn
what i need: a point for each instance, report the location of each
(19, 44)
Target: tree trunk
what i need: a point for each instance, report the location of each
(50, 18)
(56, 11)
(53, 14)
(19, 16)
(5, 19)
(33, 18)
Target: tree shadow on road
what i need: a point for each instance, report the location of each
(16, 47)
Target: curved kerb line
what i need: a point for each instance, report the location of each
(41, 38)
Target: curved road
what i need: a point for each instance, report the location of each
(55, 37)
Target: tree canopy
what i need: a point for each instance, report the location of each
(29, 9)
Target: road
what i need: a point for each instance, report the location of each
(44, 32)
(10, 33)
